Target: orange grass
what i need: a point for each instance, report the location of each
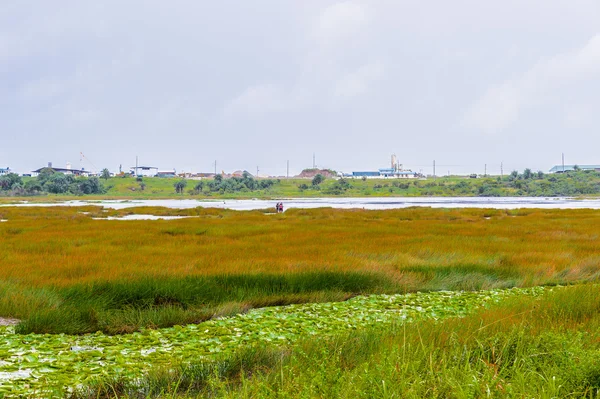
(416, 247)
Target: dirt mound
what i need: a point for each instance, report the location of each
(310, 173)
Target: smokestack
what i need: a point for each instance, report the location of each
(50, 164)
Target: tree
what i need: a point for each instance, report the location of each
(33, 187)
(58, 183)
(527, 174)
(105, 174)
(318, 179)
(45, 175)
(540, 174)
(199, 187)
(513, 175)
(10, 181)
(218, 179)
(576, 168)
(180, 186)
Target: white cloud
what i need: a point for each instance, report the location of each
(502, 105)
(358, 82)
(340, 21)
(580, 116)
(259, 99)
(268, 98)
(42, 90)
(324, 77)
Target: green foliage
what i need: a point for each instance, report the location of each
(198, 187)
(58, 183)
(238, 184)
(10, 181)
(93, 307)
(130, 357)
(105, 174)
(48, 181)
(180, 186)
(339, 187)
(529, 183)
(524, 347)
(318, 179)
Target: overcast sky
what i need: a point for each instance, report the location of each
(183, 83)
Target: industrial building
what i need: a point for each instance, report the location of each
(4, 171)
(396, 171)
(568, 168)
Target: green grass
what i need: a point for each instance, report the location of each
(124, 307)
(62, 271)
(524, 347)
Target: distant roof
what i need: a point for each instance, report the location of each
(62, 170)
(567, 168)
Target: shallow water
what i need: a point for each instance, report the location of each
(142, 217)
(347, 203)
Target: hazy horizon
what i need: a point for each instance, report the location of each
(185, 83)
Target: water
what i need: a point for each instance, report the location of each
(141, 217)
(347, 203)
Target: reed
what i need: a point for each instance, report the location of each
(56, 260)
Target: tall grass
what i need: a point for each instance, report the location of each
(542, 348)
(58, 261)
(123, 307)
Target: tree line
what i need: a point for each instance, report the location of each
(246, 183)
(50, 181)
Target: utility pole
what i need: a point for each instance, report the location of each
(563, 162)
(314, 161)
(485, 170)
(257, 172)
(434, 168)
(136, 166)
(215, 167)
(501, 170)
(287, 175)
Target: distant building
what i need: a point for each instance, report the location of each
(166, 173)
(67, 171)
(568, 168)
(396, 171)
(143, 171)
(241, 173)
(4, 171)
(204, 175)
(386, 173)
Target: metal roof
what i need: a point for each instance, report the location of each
(567, 168)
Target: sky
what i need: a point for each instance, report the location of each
(255, 84)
